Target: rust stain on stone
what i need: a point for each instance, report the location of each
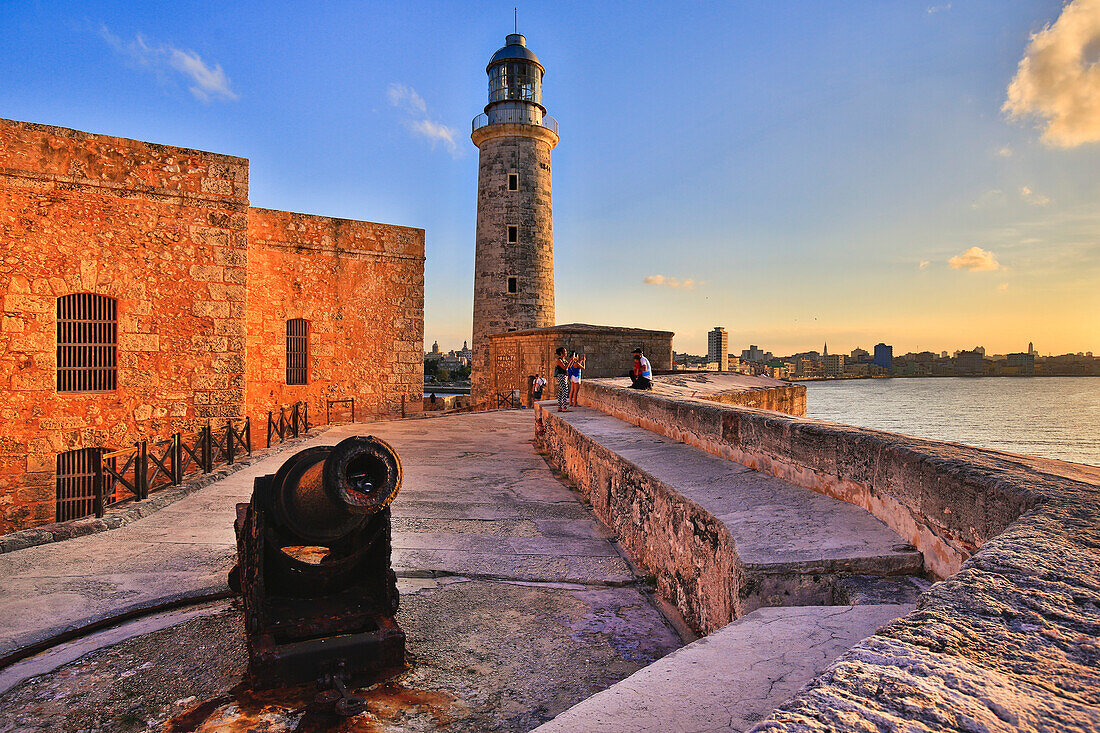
(288, 709)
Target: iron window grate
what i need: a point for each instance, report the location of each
(297, 351)
(87, 343)
(76, 483)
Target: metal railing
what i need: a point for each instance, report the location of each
(292, 421)
(146, 466)
(330, 403)
(514, 116)
(131, 473)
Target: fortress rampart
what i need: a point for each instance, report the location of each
(1007, 639)
(193, 294)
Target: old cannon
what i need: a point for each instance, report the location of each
(313, 566)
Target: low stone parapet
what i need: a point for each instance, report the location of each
(1007, 642)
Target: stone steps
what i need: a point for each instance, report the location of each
(791, 545)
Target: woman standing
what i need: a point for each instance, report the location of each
(576, 366)
(561, 374)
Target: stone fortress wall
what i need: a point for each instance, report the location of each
(166, 231)
(514, 357)
(1007, 639)
(361, 287)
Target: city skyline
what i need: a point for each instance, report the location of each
(827, 176)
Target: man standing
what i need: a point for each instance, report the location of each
(538, 385)
(642, 375)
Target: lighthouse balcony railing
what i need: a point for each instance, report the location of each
(523, 117)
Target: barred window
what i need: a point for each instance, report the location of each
(87, 343)
(75, 483)
(297, 351)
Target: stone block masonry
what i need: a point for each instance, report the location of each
(522, 150)
(166, 232)
(514, 357)
(141, 223)
(360, 286)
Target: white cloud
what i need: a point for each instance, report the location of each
(406, 99)
(1002, 286)
(924, 264)
(436, 133)
(670, 282)
(975, 259)
(939, 8)
(1035, 199)
(206, 82)
(1005, 152)
(1058, 78)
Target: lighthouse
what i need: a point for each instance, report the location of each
(514, 251)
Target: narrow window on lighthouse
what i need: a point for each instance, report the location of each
(513, 234)
(513, 181)
(513, 285)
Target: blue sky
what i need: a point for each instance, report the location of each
(794, 172)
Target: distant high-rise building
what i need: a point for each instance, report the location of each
(1031, 348)
(718, 344)
(833, 364)
(753, 353)
(884, 356)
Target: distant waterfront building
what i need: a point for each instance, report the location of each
(860, 355)
(718, 344)
(1021, 364)
(1031, 348)
(970, 363)
(833, 364)
(753, 353)
(884, 356)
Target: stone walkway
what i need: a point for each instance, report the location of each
(503, 573)
(517, 604)
(732, 679)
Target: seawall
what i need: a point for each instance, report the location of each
(1006, 641)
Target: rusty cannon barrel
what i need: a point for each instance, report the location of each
(313, 565)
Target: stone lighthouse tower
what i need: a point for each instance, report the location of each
(514, 256)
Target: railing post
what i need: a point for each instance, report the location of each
(248, 434)
(141, 470)
(177, 460)
(269, 428)
(207, 450)
(305, 416)
(97, 485)
(353, 409)
(294, 419)
(228, 443)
